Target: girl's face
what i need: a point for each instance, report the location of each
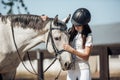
(78, 28)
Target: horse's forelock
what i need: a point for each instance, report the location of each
(62, 25)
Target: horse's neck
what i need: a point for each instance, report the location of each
(27, 38)
(39, 37)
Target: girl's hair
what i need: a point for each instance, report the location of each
(86, 30)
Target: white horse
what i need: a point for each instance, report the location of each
(20, 33)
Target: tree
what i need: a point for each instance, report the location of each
(11, 4)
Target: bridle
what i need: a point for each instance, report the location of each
(57, 52)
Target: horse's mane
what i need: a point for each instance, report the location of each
(25, 20)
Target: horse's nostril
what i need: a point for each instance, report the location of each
(66, 64)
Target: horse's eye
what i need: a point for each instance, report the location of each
(56, 23)
(57, 38)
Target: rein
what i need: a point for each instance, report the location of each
(20, 55)
(57, 52)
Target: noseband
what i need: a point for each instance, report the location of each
(57, 52)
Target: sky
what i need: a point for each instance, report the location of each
(102, 11)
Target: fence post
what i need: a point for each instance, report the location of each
(104, 64)
(40, 57)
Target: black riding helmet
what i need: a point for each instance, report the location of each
(81, 17)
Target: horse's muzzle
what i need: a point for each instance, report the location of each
(67, 66)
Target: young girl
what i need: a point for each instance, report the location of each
(80, 45)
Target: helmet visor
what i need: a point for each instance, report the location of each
(75, 23)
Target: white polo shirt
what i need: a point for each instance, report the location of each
(77, 44)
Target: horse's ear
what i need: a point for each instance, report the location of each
(67, 19)
(56, 19)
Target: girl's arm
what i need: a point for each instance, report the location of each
(84, 55)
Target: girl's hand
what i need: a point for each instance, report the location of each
(68, 48)
(44, 17)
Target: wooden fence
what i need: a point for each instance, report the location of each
(103, 51)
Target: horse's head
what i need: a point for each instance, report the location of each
(57, 37)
